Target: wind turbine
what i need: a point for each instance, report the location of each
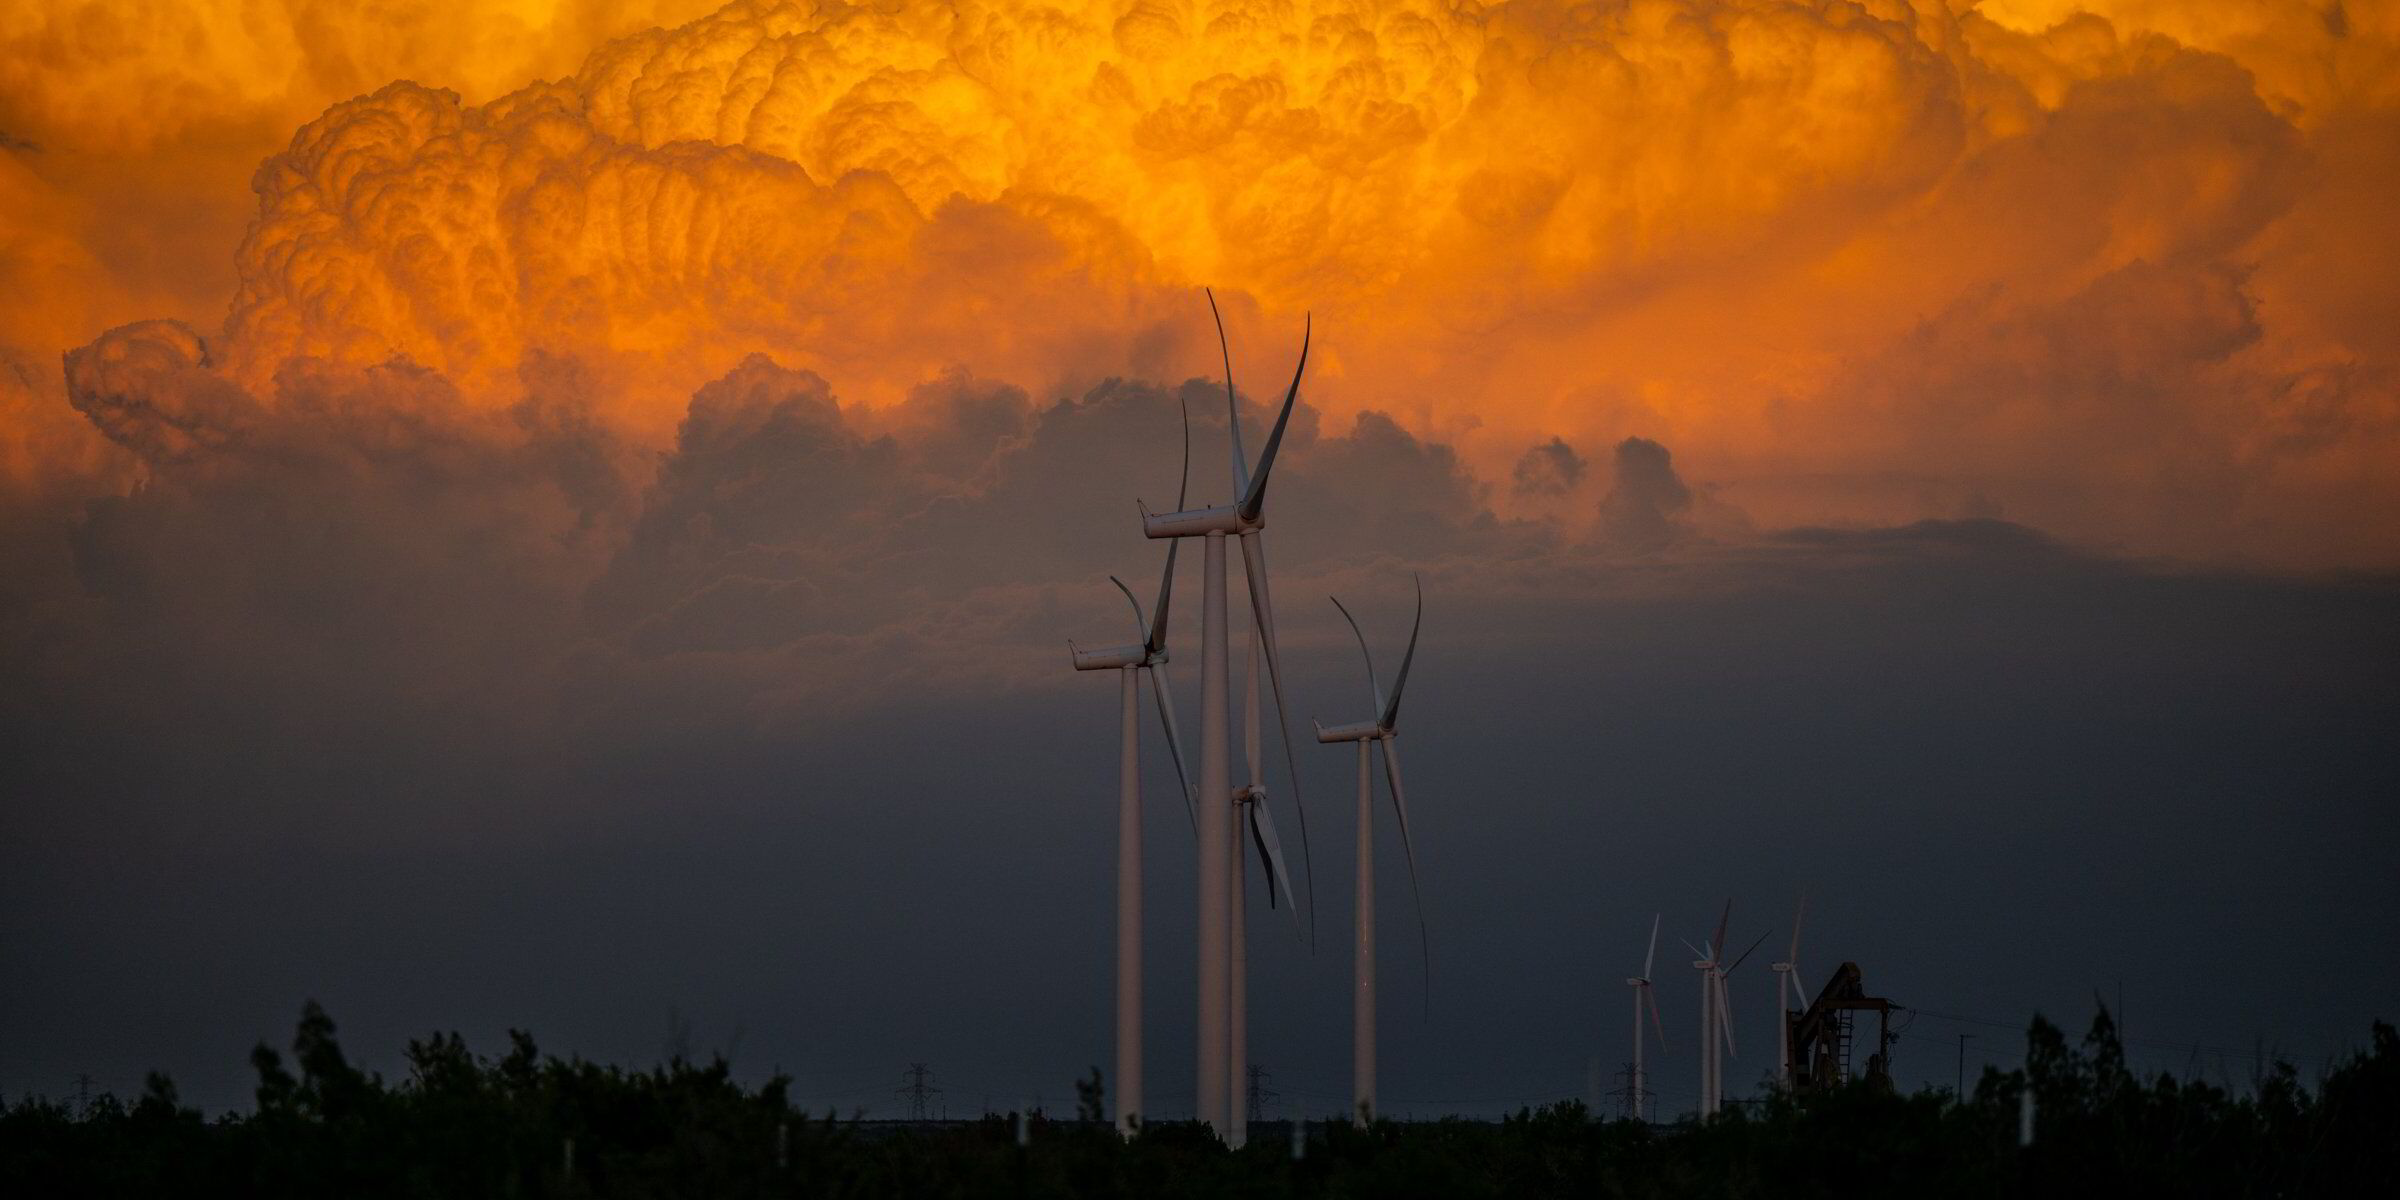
(1254, 819)
(1704, 960)
(1219, 828)
(1381, 731)
(1787, 980)
(1148, 656)
(1642, 995)
(1716, 1014)
(1725, 1012)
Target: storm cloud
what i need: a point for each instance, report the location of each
(489, 718)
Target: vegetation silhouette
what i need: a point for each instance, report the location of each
(529, 1125)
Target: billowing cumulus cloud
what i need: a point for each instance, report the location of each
(1722, 223)
(130, 131)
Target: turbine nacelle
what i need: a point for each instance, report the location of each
(1110, 658)
(1197, 522)
(1356, 731)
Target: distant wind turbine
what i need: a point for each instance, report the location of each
(1643, 997)
(1704, 960)
(1716, 1013)
(1382, 731)
(1148, 656)
(1787, 982)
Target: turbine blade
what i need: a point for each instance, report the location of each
(1725, 1019)
(1391, 711)
(1183, 479)
(1792, 956)
(1155, 639)
(1250, 708)
(1254, 499)
(1660, 1027)
(1270, 852)
(1262, 612)
(1391, 772)
(1233, 411)
(1166, 719)
(1697, 952)
(1141, 625)
(1374, 687)
(1651, 959)
(1717, 943)
(1747, 953)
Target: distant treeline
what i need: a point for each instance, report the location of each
(463, 1126)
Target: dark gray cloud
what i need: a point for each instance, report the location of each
(454, 717)
(1551, 468)
(1647, 505)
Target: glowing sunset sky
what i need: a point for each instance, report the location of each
(2119, 270)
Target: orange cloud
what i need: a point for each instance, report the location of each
(1851, 261)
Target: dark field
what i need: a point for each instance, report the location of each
(463, 1126)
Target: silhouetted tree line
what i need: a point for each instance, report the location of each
(463, 1126)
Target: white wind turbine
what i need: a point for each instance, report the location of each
(1705, 962)
(1716, 1015)
(1383, 731)
(1220, 833)
(1644, 996)
(1148, 656)
(1787, 982)
(1253, 818)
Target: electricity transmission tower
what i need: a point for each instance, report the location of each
(1260, 1095)
(1632, 1099)
(919, 1092)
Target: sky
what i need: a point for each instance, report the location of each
(569, 516)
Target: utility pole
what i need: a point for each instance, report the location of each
(919, 1092)
(83, 1096)
(1961, 1089)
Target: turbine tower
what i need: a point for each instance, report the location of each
(1148, 656)
(1382, 731)
(1787, 982)
(1644, 997)
(1219, 829)
(1255, 824)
